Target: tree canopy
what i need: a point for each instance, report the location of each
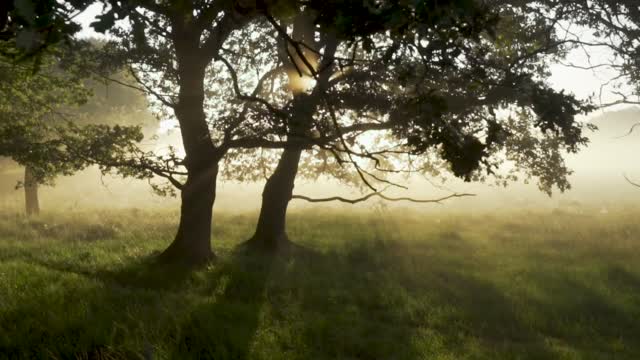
(463, 82)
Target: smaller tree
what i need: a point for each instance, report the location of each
(40, 112)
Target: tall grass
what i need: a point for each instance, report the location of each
(380, 285)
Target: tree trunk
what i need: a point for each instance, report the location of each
(32, 204)
(192, 244)
(270, 232)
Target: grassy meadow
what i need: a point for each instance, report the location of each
(384, 284)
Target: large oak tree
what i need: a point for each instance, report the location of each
(430, 90)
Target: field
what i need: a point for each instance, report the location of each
(376, 285)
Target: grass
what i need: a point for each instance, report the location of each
(380, 285)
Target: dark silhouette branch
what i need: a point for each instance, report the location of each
(241, 96)
(296, 46)
(149, 90)
(382, 196)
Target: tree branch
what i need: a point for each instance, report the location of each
(241, 96)
(631, 182)
(380, 195)
(630, 131)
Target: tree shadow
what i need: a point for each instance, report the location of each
(370, 299)
(380, 300)
(217, 319)
(140, 272)
(592, 317)
(224, 326)
(623, 279)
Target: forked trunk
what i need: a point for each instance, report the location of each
(32, 204)
(192, 244)
(270, 232)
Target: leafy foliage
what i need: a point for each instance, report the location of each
(46, 117)
(28, 27)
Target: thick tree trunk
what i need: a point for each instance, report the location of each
(32, 204)
(270, 232)
(192, 244)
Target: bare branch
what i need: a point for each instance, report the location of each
(630, 131)
(148, 89)
(380, 195)
(631, 182)
(241, 96)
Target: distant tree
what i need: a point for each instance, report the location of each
(27, 100)
(41, 121)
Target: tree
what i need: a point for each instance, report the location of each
(28, 99)
(41, 117)
(424, 102)
(171, 45)
(177, 42)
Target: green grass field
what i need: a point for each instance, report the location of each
(379, 285)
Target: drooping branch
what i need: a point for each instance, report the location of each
(382, 196)
(148, 89)
(630, 131)
(630, 181)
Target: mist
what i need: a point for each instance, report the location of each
(598, 182)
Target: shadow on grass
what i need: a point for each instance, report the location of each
(369, 300)
(415, 304)
(141, 273)
(594, 318)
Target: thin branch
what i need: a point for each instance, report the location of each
(241, 96)
(380, 195)
(295, 44)
(631, 182)
(630, 131)
(256, 91)
(149, 90)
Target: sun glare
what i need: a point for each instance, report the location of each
(299, 84)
